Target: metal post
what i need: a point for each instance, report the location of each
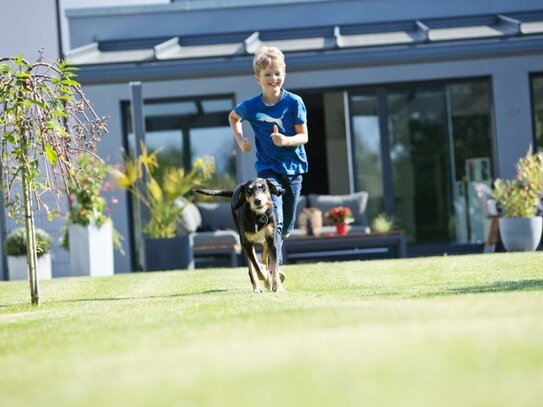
(138, 212)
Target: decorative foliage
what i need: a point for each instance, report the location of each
(15, 244)
(515, 199)
(43, 113)
(159, 196)
(87, 203)
(44, 119)
(339, 214)
(521, 197)
(382, 223)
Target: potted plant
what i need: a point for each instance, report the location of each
(519, 204)
(340, 216)
(164, 198)
(16, 250)
(382, 223)
(89, 235)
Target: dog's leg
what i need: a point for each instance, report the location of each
(273, 264)
(265, 266)
(253, 265)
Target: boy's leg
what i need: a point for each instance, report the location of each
(277, 211)
(293, 187)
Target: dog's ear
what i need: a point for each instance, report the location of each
(238, 197)
(274, 189)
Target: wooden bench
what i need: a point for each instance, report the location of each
(350, 246)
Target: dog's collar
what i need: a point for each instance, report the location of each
(263, 219)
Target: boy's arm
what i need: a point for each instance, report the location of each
(301, 136)
(237, 130)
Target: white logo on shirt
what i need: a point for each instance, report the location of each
(262, 117)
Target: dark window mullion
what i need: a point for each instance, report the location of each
(382, 112)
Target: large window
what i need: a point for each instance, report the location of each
(419, 156)
(184, 130)
(537, 100)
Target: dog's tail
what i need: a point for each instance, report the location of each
(215, 192)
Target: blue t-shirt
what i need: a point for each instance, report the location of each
(290, 110)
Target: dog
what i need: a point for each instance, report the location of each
(252, 211)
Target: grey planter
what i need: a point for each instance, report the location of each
(521, 234)
(18, 267)
(168, 253)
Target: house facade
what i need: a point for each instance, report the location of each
(412, 101)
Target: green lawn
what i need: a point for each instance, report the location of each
(443, 331)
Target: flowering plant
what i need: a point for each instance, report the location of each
(340, 214)
(87, 203)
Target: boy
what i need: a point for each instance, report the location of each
(279, 121)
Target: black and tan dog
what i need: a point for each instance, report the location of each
(252, 210)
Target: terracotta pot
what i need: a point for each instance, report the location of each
(342, 228)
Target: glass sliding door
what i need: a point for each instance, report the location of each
(417, 126)
(433, 143)
(469, 126)
(368, 168)
(181, 131)
(537, 109)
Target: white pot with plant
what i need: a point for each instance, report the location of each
(16, 250)
(90, 234)
(519, 204)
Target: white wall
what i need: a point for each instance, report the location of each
(26, 26)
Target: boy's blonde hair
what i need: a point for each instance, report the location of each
(267, 56)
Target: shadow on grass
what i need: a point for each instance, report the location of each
(501, 286)
(143, 297)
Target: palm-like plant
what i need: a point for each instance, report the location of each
(160, 197)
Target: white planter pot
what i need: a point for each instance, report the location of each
(18, 267)
(91, 250)
(521, 234)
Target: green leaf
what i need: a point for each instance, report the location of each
(51, 154)
(70, 82)
(60, 113)
(37, 102)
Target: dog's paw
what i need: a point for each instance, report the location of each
(257, 290)
(278, 289)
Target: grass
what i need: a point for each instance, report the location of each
(447, 331)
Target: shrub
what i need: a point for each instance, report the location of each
(15, 244)
(382, 223)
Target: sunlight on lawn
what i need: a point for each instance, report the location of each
(447, 331)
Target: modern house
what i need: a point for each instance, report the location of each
(411, 101)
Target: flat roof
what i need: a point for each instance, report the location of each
(329, 38)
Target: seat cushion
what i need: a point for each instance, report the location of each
(357, 201)
(216, 216)
(190, 219)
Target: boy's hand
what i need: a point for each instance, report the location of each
(278, 139)
(245, 145)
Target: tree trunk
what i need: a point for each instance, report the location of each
(31, 253)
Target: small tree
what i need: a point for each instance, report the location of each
(44, 120)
